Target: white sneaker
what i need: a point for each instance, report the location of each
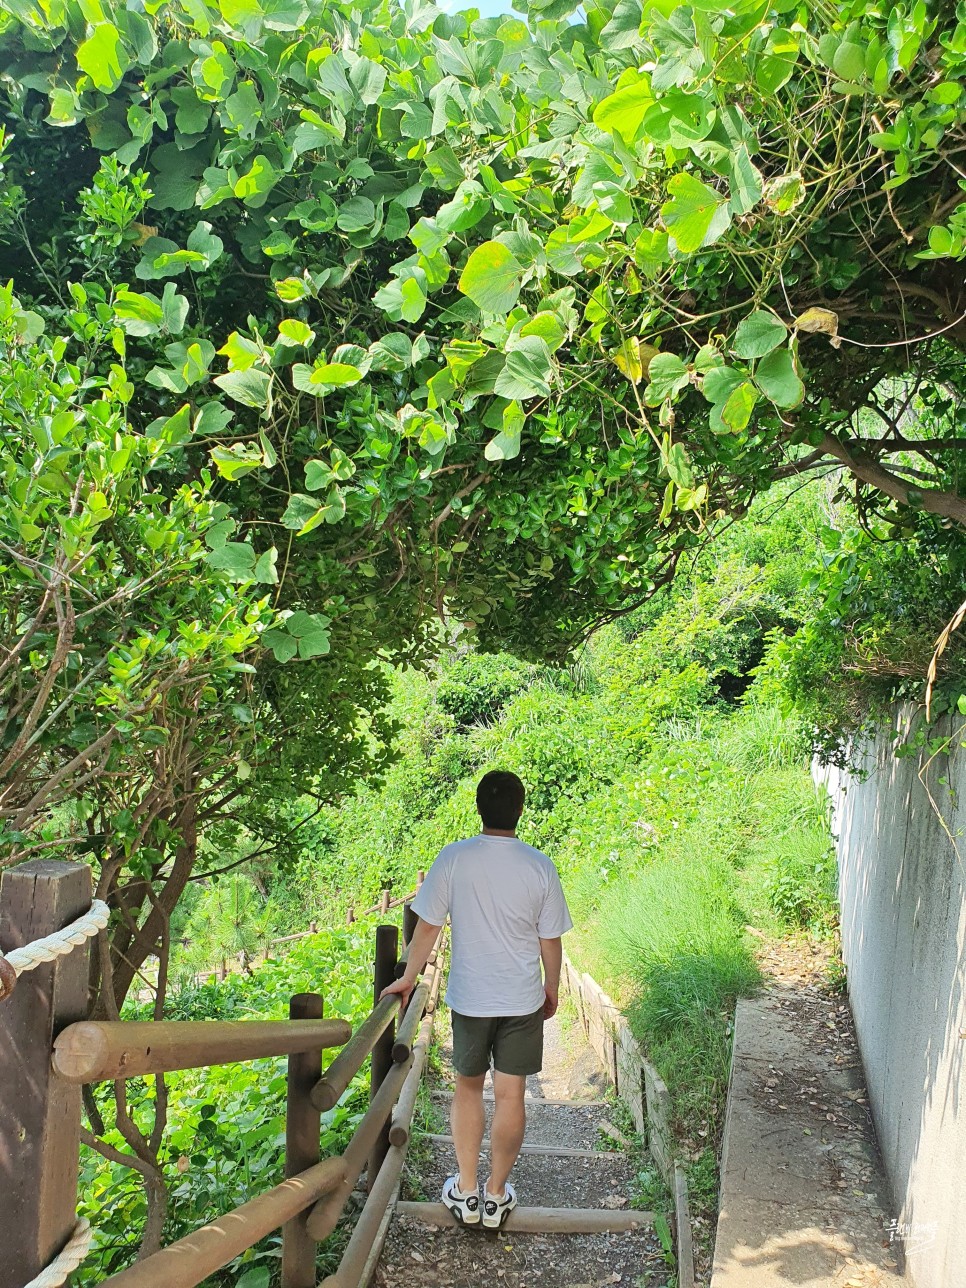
(496, 1211)
(464, 1207)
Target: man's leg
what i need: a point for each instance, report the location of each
(506, 1135)
(467, 1120)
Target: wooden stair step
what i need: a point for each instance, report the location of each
(541, 1220)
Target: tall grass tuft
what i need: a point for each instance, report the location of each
(673, 932)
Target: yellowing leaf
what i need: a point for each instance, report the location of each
(633, 358)
(818, 320)
(785, 193)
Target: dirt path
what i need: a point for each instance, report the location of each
(418, 1257)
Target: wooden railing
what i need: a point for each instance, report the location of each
(43, 1034)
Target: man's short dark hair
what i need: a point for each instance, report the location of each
(499, 798)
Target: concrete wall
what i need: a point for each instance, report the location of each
(903, 893)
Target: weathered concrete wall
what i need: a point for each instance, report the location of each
(903, 893)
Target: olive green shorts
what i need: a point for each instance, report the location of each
(515, 1043)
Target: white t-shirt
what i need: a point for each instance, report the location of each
(502, 896)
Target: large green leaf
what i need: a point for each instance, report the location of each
(735, 413)
(623, 111)
(720, 382)
(299, 511)
(139, 314)
(355, 214)
(257, 182)
(528, 370)
(623, 31)
(667, 375)
(745, 180)
(249, 387)
(778, 380)
(758, 334)
(103, 57)
(696, 215)
(492, 278)
(403, 299)
(777, 63)
(244, 15)
(266, 567)
(506, 445)
(311, 631)
(324, 377)
(678, 465)
(368, 79)
(176, 175)
(295, 332)
(236, 461)
(244, 110)
(391, 353)
(285, 647)
(677, 120)
(468, 205)
(236, 558)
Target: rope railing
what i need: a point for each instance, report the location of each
(58, 944)
(39, 952)
(67, 1260)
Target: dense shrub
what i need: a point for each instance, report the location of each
(801, 881)
(475, 688)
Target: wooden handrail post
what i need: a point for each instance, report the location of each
(302, 1128)
(384, 901)
(384, 972)
(40, 1115)
(350, 916)
(420, 878)
(410, 920)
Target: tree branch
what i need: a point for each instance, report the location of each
(934, 501)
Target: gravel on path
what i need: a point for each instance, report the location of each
(416, 1256)
(577, 1126)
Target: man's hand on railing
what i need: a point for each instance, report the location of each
(404, 987)
(420, 946)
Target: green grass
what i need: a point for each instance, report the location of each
(745, 843)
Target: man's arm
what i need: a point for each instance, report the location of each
(551, 954)
(420, 946)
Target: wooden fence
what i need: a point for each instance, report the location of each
(385, 905)
(48, 1052)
